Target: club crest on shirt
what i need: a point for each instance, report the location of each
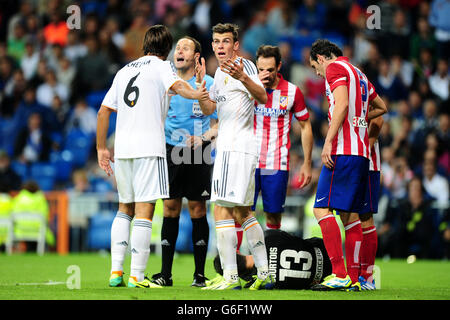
(283, 102)
(225, 81)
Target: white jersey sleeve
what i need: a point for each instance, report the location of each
(110, 100)
(168, 74)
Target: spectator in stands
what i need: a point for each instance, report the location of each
(438, 18)
(440, 80)
(117, 37)
(443, 133)
(56, 31)
(283, 18)
(311, 20)
(9, 179)
(80, 182)
(435, 184)
(423, 38)
(415, 103)
(396, 182)
(83, 117)
(16, 43)
(74, 48)
(92, 69)
(132, 47)
(65, 73)
(29, 61)
(389, 84)
(32, 143)
(51, 88)
(423, 69)
(31, 200)
(408, 225)
(259, 32)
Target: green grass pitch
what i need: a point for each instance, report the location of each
(27, 276)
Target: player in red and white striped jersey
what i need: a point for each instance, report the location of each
(345, 155)
(271, 126)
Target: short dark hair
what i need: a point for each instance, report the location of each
(158, 41)
(325, 48)
(198, 46)
(267, 51)
(227, 27)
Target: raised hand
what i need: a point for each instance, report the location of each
(200, 69)
(233, 69)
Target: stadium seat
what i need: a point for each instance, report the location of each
(80, 145)
(21, 169)
(99, 231)
(94, 99)
(63, 163)
(44, 173)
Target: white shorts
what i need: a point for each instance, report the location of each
(233, 179)
(141, 179)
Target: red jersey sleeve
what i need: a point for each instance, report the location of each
(336, 75)
(372, 92)
(299, 108)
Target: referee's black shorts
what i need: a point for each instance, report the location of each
(189, 172)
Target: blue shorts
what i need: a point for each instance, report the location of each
(273, 187)
(344, 186)
(372, 193)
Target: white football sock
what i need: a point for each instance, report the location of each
(226, 245)
(140, 247)
(255, 239)
(120, 234)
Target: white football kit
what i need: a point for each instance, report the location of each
(233, 180)
(139, 94)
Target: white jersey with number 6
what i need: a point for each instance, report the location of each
(139, 94)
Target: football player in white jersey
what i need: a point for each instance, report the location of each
(236, 86)
(140, 96)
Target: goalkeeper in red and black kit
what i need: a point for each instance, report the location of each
(294, 263)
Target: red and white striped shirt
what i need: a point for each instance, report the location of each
(352, 137)
(273, 122)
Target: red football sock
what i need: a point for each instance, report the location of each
(333, 243)
(240, 234)
(353, 240)
(368, 251)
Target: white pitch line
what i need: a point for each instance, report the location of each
(49, 283)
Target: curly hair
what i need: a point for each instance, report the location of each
(325, 48)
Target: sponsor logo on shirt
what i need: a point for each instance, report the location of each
(221, 99)
(269, 112)
(359, 122)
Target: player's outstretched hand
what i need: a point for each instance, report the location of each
(201, 92)
(104, 157)
(200, 69)
(305, 175)
(233, 69)
(326, 155)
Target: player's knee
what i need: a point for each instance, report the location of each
(127, 208)
(197, 209)
(366, 220)
(172, 208)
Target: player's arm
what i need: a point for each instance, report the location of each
(206, 104)
(237, 71)
(196, 141)
(340, 110)
(378, 108)
(307, 145)
(374, 129)
(183, 88)
(103, 154)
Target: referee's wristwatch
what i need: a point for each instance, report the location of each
(204, 138)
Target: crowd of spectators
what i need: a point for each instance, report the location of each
(52, 80)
